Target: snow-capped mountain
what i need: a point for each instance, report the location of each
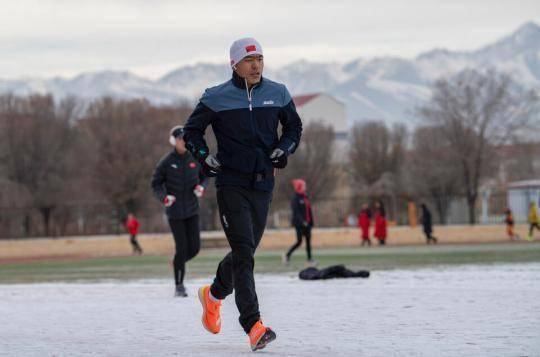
(387, 88)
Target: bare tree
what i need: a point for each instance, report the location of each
(478, 112)
(313, 161)
(376, 150)
(433, 172)
(129, 137)
(519, 161)
(37, 137)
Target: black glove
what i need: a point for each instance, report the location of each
(278, 158)
(210, 165)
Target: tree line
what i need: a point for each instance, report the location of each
(64, 164)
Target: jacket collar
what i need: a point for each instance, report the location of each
(240, 82)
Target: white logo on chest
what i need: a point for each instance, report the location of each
(268, 102)
(174, 166)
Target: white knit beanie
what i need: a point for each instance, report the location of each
(176, 131)
(244, 47)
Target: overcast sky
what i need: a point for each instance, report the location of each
(64, 37)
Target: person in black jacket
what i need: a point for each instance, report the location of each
(177, 183)
(302, 221)
(245, 113)
(427, 224)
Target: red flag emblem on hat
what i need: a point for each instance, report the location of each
(251, 48)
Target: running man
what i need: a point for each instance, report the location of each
(244, 113)
(178, 183)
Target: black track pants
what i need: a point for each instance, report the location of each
(302, 232)
(187, 243)
(243, 214)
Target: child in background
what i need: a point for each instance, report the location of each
(509, 219)
(380, 223)
(533, 220)
(364, 221)
(427, 224)
(132, 226)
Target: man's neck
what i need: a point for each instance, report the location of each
(249, 86)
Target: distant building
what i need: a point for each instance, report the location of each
(322, 107)
(520, 195)
(328, 110)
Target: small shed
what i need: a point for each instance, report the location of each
(520, 195)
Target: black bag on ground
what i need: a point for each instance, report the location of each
(334, 271)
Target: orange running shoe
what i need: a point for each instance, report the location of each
(211, 317)
(260, 336)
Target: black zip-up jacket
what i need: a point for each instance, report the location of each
(178, 175)
(245, 123)
(299, 213)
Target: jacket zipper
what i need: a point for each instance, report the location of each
(249, 93)
(183, 166)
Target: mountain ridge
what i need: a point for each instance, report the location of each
(386, 87)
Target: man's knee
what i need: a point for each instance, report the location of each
(194, 251)
(242, 254)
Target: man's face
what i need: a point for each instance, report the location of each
(251, 68)
(180, 145)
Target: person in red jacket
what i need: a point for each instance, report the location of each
(380, 223)
(132, 226)
(364, 221)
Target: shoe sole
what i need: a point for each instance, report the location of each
(265, 339)
(200, 293)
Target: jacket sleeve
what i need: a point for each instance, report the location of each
(195, 127)
(203, 180)
(291, 125)
(158, 181)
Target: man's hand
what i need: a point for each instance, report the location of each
(198, 191)
(210, 165)
(169, 200)
(278, 158)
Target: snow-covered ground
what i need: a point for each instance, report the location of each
(488, 310)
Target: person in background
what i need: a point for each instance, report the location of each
(509, 219)
(177, 183)
(380, 223)
(533, 220)
(364, 221)
(302, 221)
(132, 226)
(427, 224)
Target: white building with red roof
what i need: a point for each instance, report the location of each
(324, 108)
